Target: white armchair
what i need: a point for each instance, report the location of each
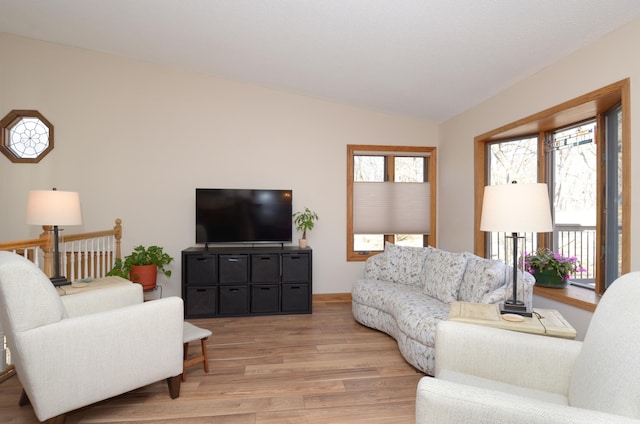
(488, 375)
(89, 347)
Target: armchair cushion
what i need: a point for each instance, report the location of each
(105, 299)
(496, 385)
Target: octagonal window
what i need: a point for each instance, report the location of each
(26, 136)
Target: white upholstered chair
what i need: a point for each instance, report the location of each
(77, 350)
(488, 375)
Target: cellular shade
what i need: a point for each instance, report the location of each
(391, 208)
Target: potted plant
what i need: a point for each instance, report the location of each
(142, 266)
(304, 221)
(551, 269)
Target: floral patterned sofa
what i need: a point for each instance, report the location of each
(406, 291)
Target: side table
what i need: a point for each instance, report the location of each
(80, 286)
(546, 322)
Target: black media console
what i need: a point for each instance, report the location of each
(237, 281)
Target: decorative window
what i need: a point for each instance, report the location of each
(25, 136)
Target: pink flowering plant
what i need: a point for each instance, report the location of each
(545, 259)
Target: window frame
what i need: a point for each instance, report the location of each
(591, 105)
(431, 176)
(10, 121)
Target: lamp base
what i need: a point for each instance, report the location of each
(518, 308)
(59, 281)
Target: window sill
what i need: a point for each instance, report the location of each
(571, 295)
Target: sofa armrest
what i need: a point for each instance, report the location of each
(373, 267)
(104, 299)
(96, 356)
(444, 402)
(502, 293)
(526, 360)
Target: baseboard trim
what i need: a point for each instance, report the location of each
(332, 298)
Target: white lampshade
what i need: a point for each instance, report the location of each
(516, 208)
(53, 207)
(391, 208)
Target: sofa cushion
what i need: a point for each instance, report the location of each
(480, 277)
(385, 295)
(419, 316)
(377, 294)
(443, 273)
(404, 264)
(416, 313)
(498, 386)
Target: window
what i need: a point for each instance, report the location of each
(616, 207)
(571, 172)
(25, 136)
(391, 164)
(509, 161)
(590, 198)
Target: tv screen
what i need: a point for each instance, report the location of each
(243, 216)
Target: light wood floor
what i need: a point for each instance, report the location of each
(318, 368)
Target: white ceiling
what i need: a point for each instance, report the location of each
(427, 58)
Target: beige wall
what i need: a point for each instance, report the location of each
(136, 139)
(610, 59)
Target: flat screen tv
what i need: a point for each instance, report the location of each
(243, 216)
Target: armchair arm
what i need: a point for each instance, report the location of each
(444, 402)
(105, 299)
(82, 360)
(527, 360)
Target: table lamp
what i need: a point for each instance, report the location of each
(516, 208)
(53, 207)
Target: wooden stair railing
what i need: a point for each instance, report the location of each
(83, 255)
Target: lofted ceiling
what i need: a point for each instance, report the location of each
(431, 59)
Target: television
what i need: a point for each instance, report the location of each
(226, 215)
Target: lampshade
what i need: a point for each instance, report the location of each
(53, 207)
(391, 208)
(516, 208)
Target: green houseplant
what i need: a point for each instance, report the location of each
(551, 269)
(304, 221)
(142, 266)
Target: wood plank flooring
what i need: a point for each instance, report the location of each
(318, 368)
